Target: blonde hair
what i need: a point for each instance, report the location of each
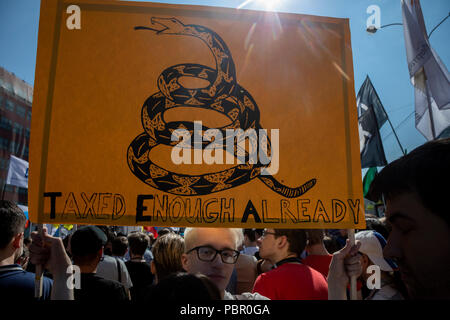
(167, 252)
(189, 235)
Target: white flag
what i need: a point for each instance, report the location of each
(429, 75)
(18, 172)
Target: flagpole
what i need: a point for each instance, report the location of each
(401, 147)
(353, 287)
(427, 91)
(3, 191)
(39, 272)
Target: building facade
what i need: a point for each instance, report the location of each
(16, 97)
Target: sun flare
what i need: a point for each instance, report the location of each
(267, 4)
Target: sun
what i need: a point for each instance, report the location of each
(270, 4)
(267, 4)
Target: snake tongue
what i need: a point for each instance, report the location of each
(158, 24)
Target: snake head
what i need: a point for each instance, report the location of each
(165, 26)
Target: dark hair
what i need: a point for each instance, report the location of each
(331, 244)
(251, 234)
(109, 233)
(86, 243)
(120, 246)
(259, 233)
(377, 225)
(152, 239)
(182, 286)
(295, 237)
(423, 171)
(315, 236)
(138, 242)
(12, 222)
(164, 231)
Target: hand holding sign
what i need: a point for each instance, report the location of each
(49, 252)
(345, 265)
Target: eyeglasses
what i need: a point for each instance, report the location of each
(208, 254)
(265, 232)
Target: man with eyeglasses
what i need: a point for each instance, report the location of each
(213, 252)
(289, 279)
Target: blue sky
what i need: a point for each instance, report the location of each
(381, 56)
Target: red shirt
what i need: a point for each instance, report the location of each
(292, 281)
(320, 263)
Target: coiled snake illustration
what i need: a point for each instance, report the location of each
(223, 95)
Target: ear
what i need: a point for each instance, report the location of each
(17, 240)
(365, 262)
(185, 262)
(282, 242)
(153, 267)
(100, 254)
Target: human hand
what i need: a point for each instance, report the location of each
(344, 265)
(50, 252)
(23, 261)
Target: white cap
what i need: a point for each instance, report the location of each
(372, 244)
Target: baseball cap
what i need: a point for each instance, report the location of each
(87, 240)
(372, 244)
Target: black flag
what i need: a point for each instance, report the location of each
(371, 116)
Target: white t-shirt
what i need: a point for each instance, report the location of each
(386, 292)
(244, 296)
(107, 268)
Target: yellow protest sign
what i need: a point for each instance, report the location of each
(156, 114)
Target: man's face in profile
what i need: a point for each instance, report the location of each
(420, 243)
(218, 271)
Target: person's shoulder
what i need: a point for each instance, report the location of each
(311, 272)
(251, 296)
(387, 292)
(247, 259)
(268, 276)
(141, 265)
(18, 283)
(122, 263)
(18, 274)
(107, 284)
(300, 270)
(97, 279)
(107, 259)
(111, 283)
(301, 267)
(317, 258)
(244, 296)
(96, 287)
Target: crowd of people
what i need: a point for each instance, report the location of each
(403, 255)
